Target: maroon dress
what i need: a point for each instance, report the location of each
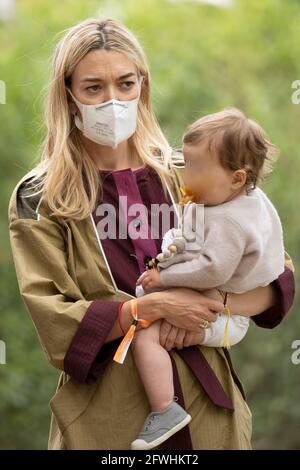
(88, 355)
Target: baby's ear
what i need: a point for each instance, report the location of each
(239, 178)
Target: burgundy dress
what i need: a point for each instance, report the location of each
(87, 355)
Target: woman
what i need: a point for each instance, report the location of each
(73, 280)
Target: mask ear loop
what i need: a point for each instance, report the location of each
(75, 99)
(77, 121)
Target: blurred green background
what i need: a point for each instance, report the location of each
(202, 58)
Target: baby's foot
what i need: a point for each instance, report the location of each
(160, 425)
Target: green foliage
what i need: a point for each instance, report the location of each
(202, 59)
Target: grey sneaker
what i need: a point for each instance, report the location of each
(160, 425)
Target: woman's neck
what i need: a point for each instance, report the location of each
(107, 158)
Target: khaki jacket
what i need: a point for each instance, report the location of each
(61, 268)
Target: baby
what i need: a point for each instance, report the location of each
(237, 246)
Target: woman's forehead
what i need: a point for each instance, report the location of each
(101, 64)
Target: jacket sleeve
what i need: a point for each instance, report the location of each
(285, 289)
(54, 301)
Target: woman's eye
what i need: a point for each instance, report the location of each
(127, 85)
(93, 88)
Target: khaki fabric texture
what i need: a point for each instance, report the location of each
(106, 421)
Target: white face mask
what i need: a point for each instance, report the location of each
(107, 123)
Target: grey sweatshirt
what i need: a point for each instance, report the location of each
(241, 247)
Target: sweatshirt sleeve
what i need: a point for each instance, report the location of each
(71, 329)
(215, 264)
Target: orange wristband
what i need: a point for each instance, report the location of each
(122, 350)
(133, 310)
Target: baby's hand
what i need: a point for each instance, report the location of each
(149, 279)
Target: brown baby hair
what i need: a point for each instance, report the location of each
(239, 142)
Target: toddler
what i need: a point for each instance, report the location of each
(235, 246)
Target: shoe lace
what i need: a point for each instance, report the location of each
(150, 421)
(175, 398)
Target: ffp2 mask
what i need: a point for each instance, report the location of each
(108, 123)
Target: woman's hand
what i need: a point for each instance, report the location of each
(182, 307)
(172, 337)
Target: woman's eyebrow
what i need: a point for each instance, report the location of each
(127, 75)
(98, 79)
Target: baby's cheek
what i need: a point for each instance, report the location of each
(200, 188)
(220, 191)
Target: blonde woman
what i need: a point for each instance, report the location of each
(104, 148)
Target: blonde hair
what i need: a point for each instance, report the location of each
(65, 170)
(239, 142)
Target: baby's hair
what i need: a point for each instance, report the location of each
(239, 142)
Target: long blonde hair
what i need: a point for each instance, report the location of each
(65, 169)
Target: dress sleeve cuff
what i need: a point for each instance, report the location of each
(88, 355)
(285, 288)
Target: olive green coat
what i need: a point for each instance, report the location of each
(61, 268)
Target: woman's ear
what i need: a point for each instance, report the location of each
(239, 178)
(72, 107)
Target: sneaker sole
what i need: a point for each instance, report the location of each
(140, 444)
